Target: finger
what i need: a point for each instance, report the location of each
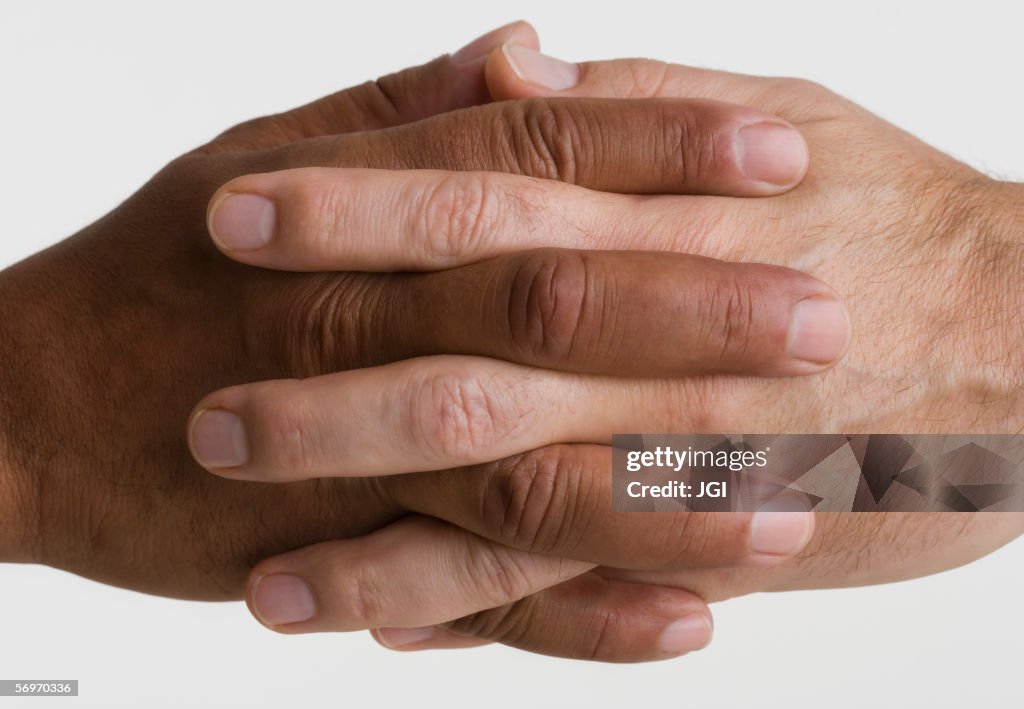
(630, 314)
(416, 414)
(445, 84)
(557, 500)
(515, 72)
(619, 313)
(645, 146)
(588, 618)
(317, 219)
(412, 573)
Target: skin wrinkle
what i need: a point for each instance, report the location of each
(676, 137)
(576, 133)
(576, 346)
(605, 622)
(539, 141)
(527, 149)
(739, 308)
(610, 336)
(548, 495)
(572, 523)
(508, 494)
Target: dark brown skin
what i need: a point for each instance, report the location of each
(108, 339)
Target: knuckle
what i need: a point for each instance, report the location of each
(459, 213)
(454, 417)
(544, 138)
(328, 322)
(534, 501)
(548, 304)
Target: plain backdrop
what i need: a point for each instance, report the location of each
(98, 96)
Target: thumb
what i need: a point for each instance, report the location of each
(445, 84)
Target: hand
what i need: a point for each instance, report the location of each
(894, 221)
(108, 337)
(148, 316)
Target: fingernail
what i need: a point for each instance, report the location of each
(540, 69)
(781, 527)
(243, 222)
(482, 45)
(218, 439)
(772, 152)
(819, 330)
(399, 637)
(279, 599)
(689, 633)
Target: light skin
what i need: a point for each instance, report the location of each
(923, 248)
(109, 338)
